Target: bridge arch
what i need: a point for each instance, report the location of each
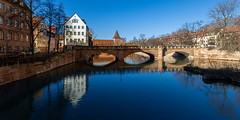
(120, 52)
(184, 52)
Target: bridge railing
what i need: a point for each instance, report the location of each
(106, 47)
(131, 47)
(174, 47)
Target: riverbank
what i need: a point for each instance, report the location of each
(229, 75)
(12, 73)
(214, 54)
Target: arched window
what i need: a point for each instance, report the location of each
(1, 20)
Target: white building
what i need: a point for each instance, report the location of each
(205, 38)
(76, 31)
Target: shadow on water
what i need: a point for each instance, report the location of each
(54, 94)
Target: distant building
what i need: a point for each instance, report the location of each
(14, 30)
(40, 35)
(76, 31)
(116, 41)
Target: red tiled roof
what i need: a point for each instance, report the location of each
(54, 29)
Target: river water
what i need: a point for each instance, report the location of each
(121, 91)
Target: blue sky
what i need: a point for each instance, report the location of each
(133, 17)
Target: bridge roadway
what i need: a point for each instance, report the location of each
(85, 53)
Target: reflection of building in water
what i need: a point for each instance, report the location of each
(103, 59)
(74, 88)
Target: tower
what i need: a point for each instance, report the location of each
(117, 39)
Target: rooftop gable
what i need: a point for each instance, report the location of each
(75, 16)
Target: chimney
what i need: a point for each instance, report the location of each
(66, 19)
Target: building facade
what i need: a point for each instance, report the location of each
(76, 32)
(41, 39)
(14, 31)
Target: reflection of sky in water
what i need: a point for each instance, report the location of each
(135, 59)
(101, 63)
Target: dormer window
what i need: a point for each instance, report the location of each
(74, 21)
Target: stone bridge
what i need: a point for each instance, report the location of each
(84, 53)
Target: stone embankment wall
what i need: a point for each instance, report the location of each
(202, 53)
(17, 72)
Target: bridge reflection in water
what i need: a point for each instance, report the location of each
(61, 93)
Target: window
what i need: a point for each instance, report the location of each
(9, 9)
(27, 38)
(75, 33)
(9, 36)
(16, 23)
(22, 14)
(78, 27)
(21, 3)
(1, 49)
(70, 27)
(74, 21)
(82, 33)
(16, 37)
(1, 34)
(22, 37)
(67, 40)
(9, 49)
(67, 26)
(9, 23)
(82, 27)
(66, 33)
(1, 20)
(71, 33)
(22, 25)
(78, 33)
(16, 11)
(1, 5)
(75, 27)
(16, 48)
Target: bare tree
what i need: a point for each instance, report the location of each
(48, 11)
(34, 6)
(60, 20)
(185, 34)
(94, 36)
(223, 17)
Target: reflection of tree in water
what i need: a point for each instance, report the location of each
(136, 59)
(223, 98)
(74, 88)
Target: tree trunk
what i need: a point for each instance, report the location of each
(58, 43)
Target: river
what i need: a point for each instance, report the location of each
(130, 90)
